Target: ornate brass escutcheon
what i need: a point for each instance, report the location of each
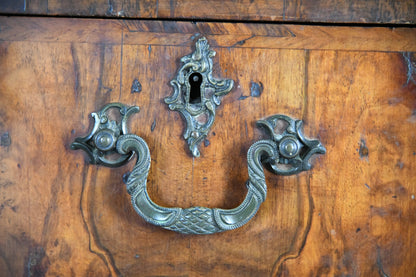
(289, 147)
(197, 94)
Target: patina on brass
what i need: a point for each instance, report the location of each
(288, 147)
(197, 94)
(294, 149)
(100, 144)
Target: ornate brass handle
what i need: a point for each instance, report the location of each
(289, 147)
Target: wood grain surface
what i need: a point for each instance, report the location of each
(324, 11)
(353, 214)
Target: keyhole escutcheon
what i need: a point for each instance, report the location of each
(195, 80)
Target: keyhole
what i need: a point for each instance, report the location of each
(195, 80)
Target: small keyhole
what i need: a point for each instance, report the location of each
(195, 80)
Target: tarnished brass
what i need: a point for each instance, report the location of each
(287, 147)
(294, 149)
(100, 144)
(197, 94)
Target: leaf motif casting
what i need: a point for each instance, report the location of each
(109, 137)
(196, 94)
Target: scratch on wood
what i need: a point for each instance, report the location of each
(284, 10)
(196, 35)
(157, 9)
(292, 34)
(37, 263)
(172, 8)
(149, 48)
(400, 164)
(5, 140)
(121, 62)
(411, 68)
(395, 100)
(306, 84)
(378, 211)
(101, 72)
(75, 60)
(381, 271)
(126, 177)
(110, 9)
(206, 142)
(136, 86)
(9, 203)
(6, 183)
(152, 128)
(256, 89)
(241, 42)
(242, 97)
(363, 151)
(130, 25)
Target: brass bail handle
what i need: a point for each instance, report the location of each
(288, 147)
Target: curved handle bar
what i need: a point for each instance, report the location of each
(195, 220)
